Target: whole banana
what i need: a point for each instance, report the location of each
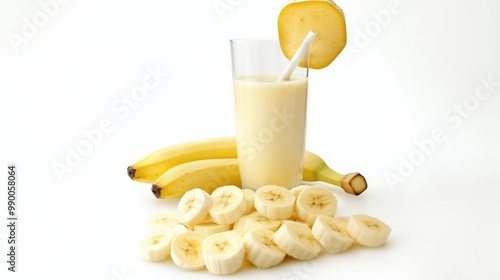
(211, 163)
(210, 174)
(206, 174)
(148, 169)
(316, 169)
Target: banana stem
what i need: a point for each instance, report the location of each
(352, 183)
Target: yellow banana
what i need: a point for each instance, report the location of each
(315, 169)
(212, 173)
(207, 174)
(148, 169)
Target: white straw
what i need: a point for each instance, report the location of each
(299, 54)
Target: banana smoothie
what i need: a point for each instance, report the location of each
(270, 129)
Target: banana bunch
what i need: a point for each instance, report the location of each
(212, 163)
(218, 231)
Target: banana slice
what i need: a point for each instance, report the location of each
(297, 241)
(314, 201)
(155, 246)
(368, 231)
(179, 229)
(331, 234)
(296, 190)
(209, 228)
(260, 248)
(223, 252)
(193, 207)
(240, 232)
(228, 205)
(249, 195)
(186, 250)
(256, 220)
(325, 17)
(240, 224)
(343, 221)
(274, 202)
(167, 219)
(295, 218)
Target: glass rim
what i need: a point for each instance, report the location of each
(263, 39)
(260, 40)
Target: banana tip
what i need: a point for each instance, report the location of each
(156, 191)
(131, 172)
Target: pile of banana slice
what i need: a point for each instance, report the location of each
(220, 230)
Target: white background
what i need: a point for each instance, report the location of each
(400, 80)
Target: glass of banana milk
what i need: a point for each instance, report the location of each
(270, 115)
